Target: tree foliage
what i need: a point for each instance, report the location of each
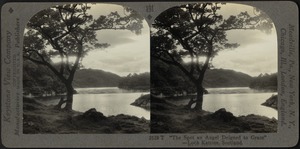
(168, 80)
(69, 31)
(39, 80)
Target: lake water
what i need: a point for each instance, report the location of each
(108, 100)
(113, 101)
(239, 101)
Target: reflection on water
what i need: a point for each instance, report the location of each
(105, 90)
(240, 104)
(113, 101)
(108, 100)
(239, 101)
(110, 104)
(234, 90)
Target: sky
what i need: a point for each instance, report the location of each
(257, 52)
(127, 53)
(130, 53)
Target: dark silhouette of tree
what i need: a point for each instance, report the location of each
(39, 79)
(168, 80)
(197, 32)
(68, 31)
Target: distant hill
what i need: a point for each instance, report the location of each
(265, 82)
(226, 78)
(39, 79)
(136, 81)
(213, 78)
(168, 78)
(95, 78)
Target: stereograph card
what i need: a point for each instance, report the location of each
(150, 74)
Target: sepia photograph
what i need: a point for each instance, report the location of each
(149, 74)
(213, 70)
(86, 70)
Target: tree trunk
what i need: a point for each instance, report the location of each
(60, 103)
(69, 101)
(198, 101)
(199, 98)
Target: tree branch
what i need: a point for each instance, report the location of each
(44, 62)
(177, 64)
(33, 60)
(206, 63)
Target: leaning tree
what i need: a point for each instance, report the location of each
(68, 33)
(197, 32)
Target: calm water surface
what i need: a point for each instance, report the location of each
(108, 100)
(113, 101)
(239, 101)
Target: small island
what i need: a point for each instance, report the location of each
(272, 102)
(266, 82)
(143, 102)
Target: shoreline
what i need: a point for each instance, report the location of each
(261, 109)
(42, 119)
(145, 105)
(170, 118)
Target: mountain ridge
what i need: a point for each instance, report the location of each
(213, 78)
(226, 78)
(95, 78)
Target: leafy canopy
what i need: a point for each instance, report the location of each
(66, 31)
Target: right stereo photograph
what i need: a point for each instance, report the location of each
(213, 70)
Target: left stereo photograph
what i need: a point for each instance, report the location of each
(86, 70)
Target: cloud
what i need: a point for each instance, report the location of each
(234, 9)
(253, 59)
(130, 53)
(127, 53)
(246, 37)
(114, 37)
(117, 37)
(243, 37)
(257, 52)
(123, 57)
(104, 9)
